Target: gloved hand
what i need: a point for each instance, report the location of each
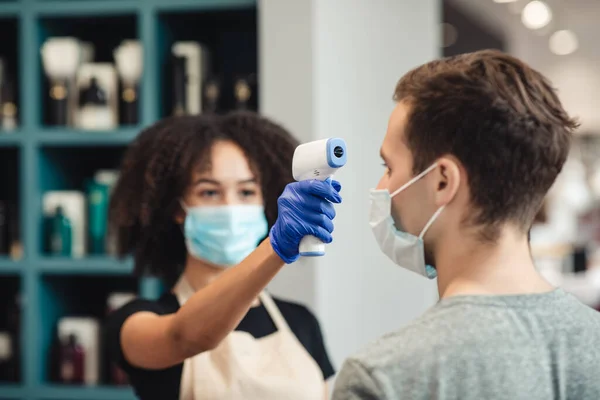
(304, 208)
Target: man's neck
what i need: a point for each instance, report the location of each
(467, 266)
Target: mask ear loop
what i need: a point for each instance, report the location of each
(185, 208)
(413, 180)
(182, 204)
(431, 221)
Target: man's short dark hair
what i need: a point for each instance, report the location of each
(501, 119)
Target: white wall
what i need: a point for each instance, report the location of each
(286, 95)
(576, 76)
(359, 49)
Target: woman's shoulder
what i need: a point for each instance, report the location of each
(166, 304)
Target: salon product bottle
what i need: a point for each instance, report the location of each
(73, 205)
(61, 57)
(211, 95)
(95, 112)
(61, 234)
(98, 197)
(129, 61)
(14, 329)
(179, 86)
(2, 78)
(129, 103)
(8, 106)
(7, 364)
(15, 246)
(4, 232)
(108, 178)
(59, 102)
(71, 361)
(245, 92)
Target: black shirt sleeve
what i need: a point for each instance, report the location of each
(114, 323)
(148, 384)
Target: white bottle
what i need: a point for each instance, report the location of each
(95, 113)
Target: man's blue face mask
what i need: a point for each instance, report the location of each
(224, 235)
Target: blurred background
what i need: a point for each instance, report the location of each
(322, 68)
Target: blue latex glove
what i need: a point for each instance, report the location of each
(304, 208)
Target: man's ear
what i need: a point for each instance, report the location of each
(448, 180)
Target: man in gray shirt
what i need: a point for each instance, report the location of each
(472, 147)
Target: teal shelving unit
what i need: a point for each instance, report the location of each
(35, 157)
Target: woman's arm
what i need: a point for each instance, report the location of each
(155, 342)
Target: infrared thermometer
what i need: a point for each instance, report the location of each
(317, 160)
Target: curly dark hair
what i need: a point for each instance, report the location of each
(157, 168)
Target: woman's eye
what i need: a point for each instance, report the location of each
(248, 193)
(208, 193)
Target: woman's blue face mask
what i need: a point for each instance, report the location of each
(224, 235)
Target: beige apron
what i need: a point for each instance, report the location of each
(241, 367)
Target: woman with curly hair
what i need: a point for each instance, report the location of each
(208, 204)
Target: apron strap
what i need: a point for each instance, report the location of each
(183, 290)
(273, 311)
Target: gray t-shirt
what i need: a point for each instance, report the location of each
(521, 347)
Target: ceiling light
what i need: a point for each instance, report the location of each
(536, 15)
(563, 42)
(504, 1)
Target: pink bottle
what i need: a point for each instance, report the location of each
(71, 362)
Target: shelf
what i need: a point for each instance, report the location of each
(85, 266)
(11, 69)
(199, 5)
(9, 9)
(10, 203)
(88, 7)
(103, 31)
(10, 391)
(73, 295)
(229, 38)
(84, 393)
(74, 137)
(38, 158)
(9, 266)
(12, 139)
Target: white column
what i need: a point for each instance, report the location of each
(343, 87)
